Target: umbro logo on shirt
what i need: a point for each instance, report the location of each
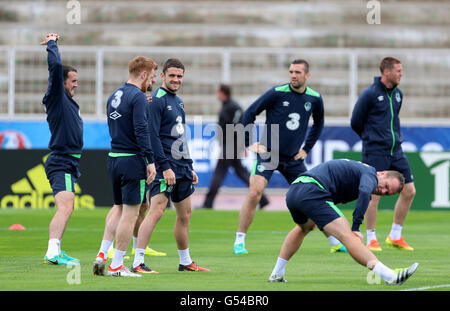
(380, 98)
(115, 115)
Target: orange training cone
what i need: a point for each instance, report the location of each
(17, 227)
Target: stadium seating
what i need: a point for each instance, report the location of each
(271, 26)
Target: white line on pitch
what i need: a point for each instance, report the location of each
(424, 288)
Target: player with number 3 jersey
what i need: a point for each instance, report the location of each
(283, 147)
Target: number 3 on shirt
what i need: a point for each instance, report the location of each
(117, 99)
(294, 121)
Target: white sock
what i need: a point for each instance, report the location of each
(396, 231)
(104, 247)
(333, 240)
(185, 257)
(111, 247)
(240, 238)
(386, 273)
(138, 257)
(53, 248)
(371, 235)
(280, 266)
(134, 241)
(118, 258)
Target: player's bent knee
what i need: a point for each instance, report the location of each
(306, 227)
(255, 195)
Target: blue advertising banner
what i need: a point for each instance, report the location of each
(204, 148)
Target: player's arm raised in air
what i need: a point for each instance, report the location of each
(55, 70)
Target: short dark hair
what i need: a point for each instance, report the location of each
(172, 62)
(388, 63)
(225, 89)
(301, 61)
(399, 176)
(66, 70)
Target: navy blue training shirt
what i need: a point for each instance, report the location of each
(63, 113)
(128, 122)
(167, 125)
(291, 111)
(347, 181)
(375, 119)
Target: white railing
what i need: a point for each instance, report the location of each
(338, 74)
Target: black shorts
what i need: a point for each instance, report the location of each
(62, 172)
(289, 168)
(397, 162)
(309, 201)
(128, 175)
(182, 189)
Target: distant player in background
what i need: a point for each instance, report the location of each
(66, 143)
(375, 119)
(288, 106)
(312, 199)
(130, 162)
(231, 113)
(175, 175)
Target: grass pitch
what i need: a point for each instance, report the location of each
(212, 236)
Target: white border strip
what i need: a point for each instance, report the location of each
(424, 288)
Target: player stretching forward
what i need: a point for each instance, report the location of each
(66, 143)
(312, 200)
(130, 162)
(289, 107)
(175, 175)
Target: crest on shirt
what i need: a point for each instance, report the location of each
(380, 98)
(115, 115)
(308, 106)
(397, 97)
(285, 104)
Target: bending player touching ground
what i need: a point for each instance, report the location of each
(66, 143)
(130, 162)
(289, 107)
(312, 199)
(175, 176)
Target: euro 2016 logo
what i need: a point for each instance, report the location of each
(74, 14)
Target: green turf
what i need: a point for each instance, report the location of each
(211, 241)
